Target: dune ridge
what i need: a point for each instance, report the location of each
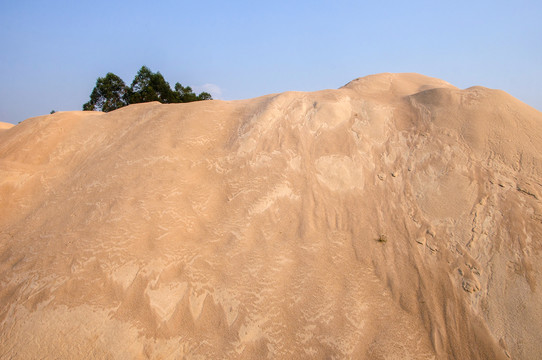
(249, 229)
(5, 126)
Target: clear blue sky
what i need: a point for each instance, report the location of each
(53, 51)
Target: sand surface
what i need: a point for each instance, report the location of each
(5, 126)
(248, 229)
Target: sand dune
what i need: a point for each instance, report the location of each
(249, 229)
(5, 126)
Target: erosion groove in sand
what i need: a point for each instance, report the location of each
(249, 229)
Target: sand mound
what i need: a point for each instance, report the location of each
(250, 229)
(5, 126)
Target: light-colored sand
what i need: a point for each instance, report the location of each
(248, 229)
(5, 126)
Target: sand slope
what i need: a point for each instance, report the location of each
(5, 126)
(248, 229)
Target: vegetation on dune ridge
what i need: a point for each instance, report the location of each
(111, 93)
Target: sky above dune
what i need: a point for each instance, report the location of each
(53, 51)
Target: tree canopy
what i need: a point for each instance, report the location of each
(111, 93)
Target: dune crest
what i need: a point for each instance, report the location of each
(395, 217)
(5, 126)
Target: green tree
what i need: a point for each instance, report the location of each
(185, 94)
(110, 93)
(204, 96)
(148, 86)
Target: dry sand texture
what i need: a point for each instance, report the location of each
(5, 126)
(248, 229)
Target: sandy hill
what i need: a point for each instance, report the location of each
(5, 126)
(397, 217)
